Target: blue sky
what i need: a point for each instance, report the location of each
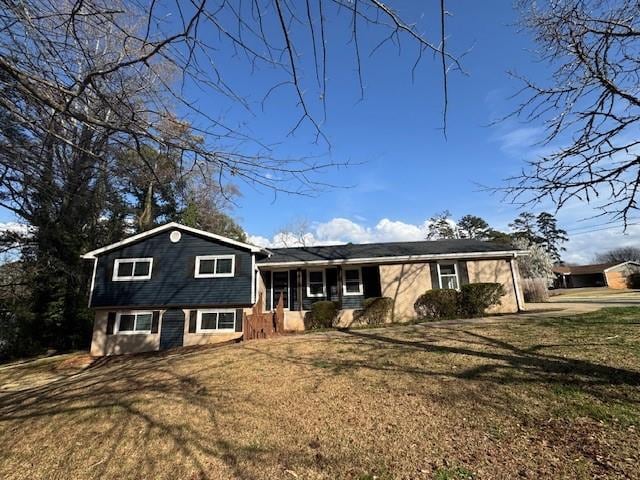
(409, 171)
(404, 170)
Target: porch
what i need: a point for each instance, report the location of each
(301, 287)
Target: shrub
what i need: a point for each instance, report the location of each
(476, 298)
(323, 314)
(435, 304)
(375, 311)
(535, 290)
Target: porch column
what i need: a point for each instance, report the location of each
(299, 288)
(340, 285)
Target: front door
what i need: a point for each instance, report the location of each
(280, 286)
(172, 330)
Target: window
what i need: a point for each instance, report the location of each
(132, 269)
(315, 283)
(133, 322)
(352, 284)
(211, 321)
(209, 266)
(448, 274)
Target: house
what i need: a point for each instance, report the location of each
(613, 275)
(178, 286)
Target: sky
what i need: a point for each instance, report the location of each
(402, 169)
(407, 170)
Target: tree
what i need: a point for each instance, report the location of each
(296, 233)
(590, 106)
(441, 226)
(471, 226)
(524, 227)
(537, 264)
(551, 237)
(619, 255)
(207, 46)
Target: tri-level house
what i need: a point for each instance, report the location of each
(177, 286)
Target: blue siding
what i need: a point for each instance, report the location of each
(172, 280)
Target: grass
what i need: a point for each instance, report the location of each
(502, 398)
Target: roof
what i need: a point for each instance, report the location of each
(169, 226)
(587, 269)
(393, 251)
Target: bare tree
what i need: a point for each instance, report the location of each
(621, 254)
(296, 233)
(41, 42)
(590, 106)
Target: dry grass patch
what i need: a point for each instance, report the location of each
(530, 398)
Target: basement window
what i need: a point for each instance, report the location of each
(133, 322)
(211, 321)
(132, 269)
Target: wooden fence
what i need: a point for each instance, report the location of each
(259, 324)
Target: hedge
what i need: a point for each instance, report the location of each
(375, 311)
(471, 301)
(323, 314)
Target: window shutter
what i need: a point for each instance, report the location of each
(435, 281)
(267, 286)
(193, 315)
(237, 264)
(239, 318)
(155, 321)
(111, 322)
(463, 273)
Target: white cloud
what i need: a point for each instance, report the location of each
(343, 230)
(583, 247)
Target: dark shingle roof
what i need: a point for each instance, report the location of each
(584, 269)
(375, 250)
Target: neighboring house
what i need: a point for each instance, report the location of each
(176, 285)
(613, 275)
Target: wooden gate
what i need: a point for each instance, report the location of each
(259, 324)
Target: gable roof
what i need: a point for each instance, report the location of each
(168, 226)
(392, 251)
(588, 269)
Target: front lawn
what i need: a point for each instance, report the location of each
(525, 398)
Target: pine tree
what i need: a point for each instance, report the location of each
(471, 226)
(550, 236)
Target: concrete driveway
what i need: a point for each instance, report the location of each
(600, 296)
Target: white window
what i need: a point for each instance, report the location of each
(133, 322)
(352, 281)
(448, 275)
(211, 321)
(210, 266)
(316, 284)
(132, 269)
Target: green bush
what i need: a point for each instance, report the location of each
(323, 314)
(375, 311)
(471, 301)
(435, 304)
(476, 298)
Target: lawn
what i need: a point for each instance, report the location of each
(525, 398)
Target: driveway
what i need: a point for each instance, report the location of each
(604, 297)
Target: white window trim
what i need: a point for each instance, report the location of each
(199, 328)
(344, 282)
(324, 284)
(197, 273)
(116, 327)
(273, 295)
(116, 264)
(455, 267)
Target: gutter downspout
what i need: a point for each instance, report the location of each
(516, 285)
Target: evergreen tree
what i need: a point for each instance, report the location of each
(524, 227)
(471, 226)
(440, 226)
(550, 236)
